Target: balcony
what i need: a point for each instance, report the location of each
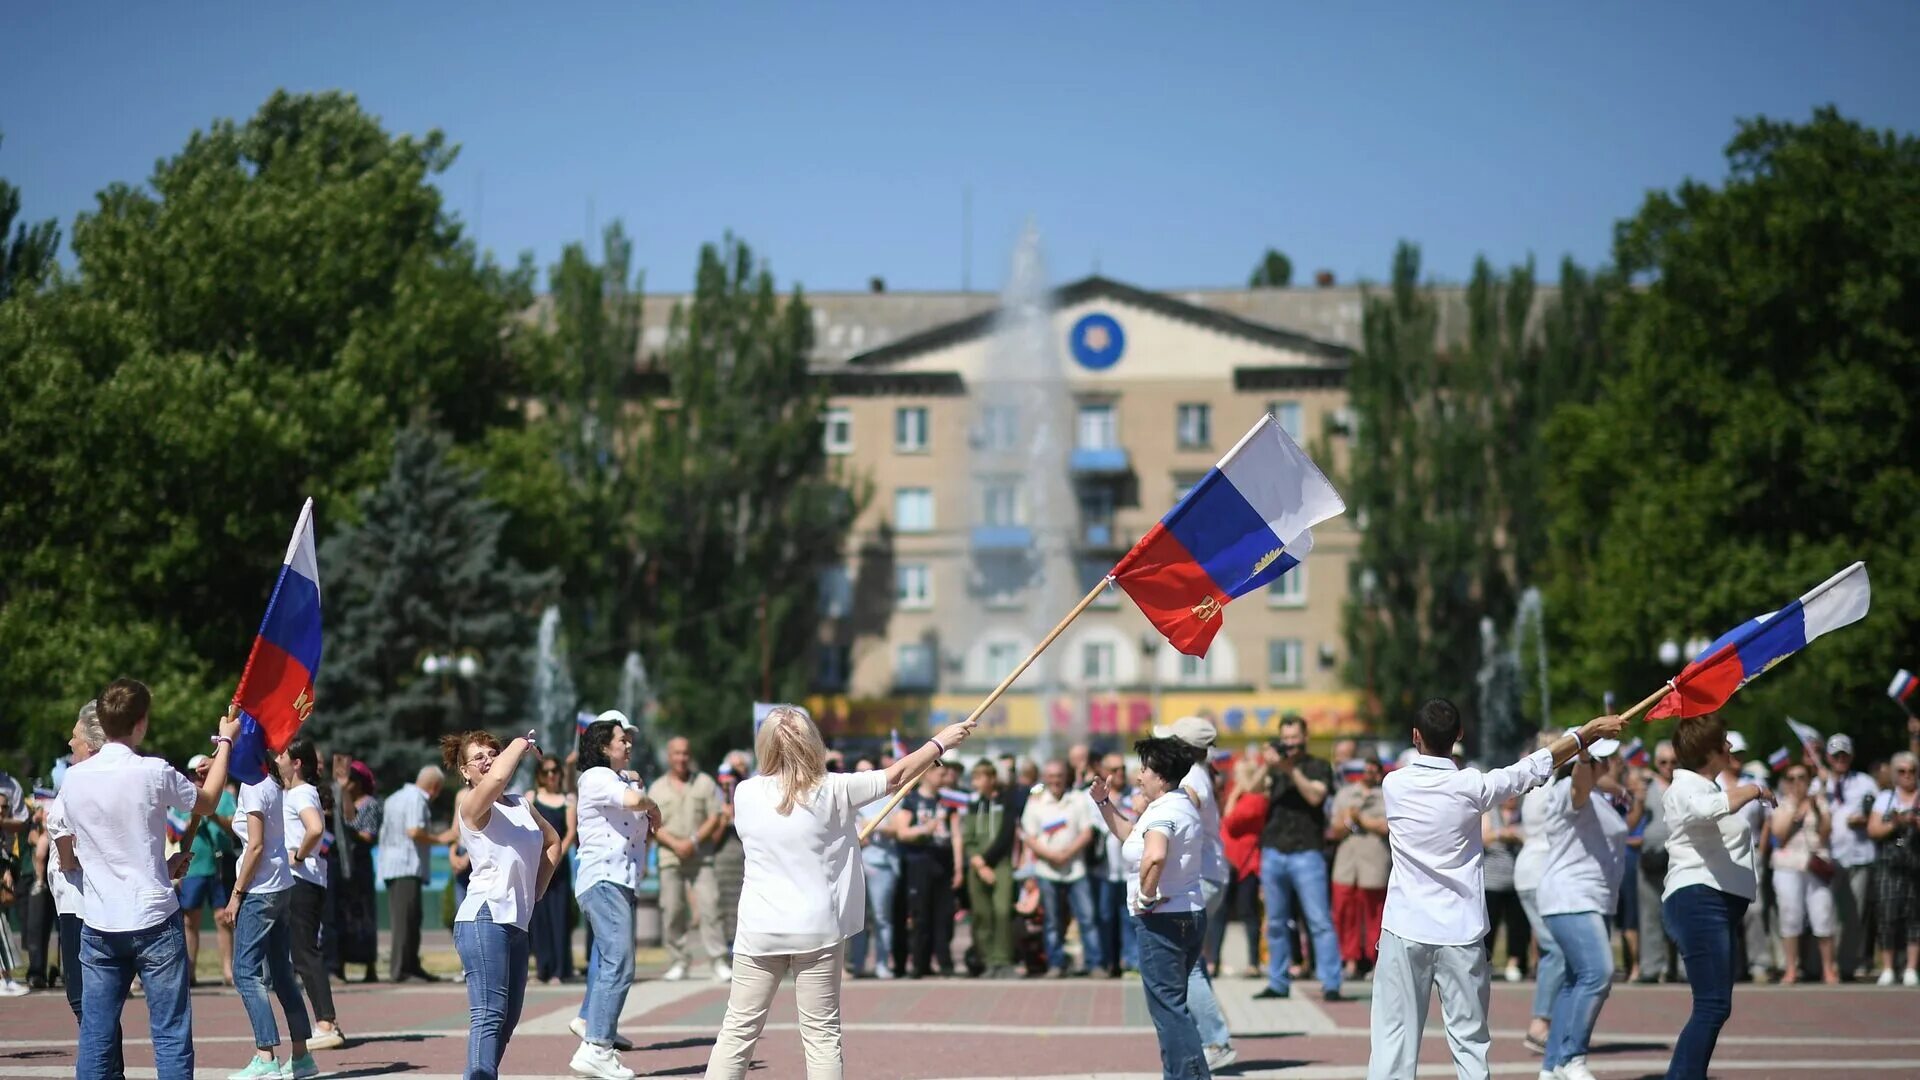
(1101, 536)
(1001, 538)
(1111, 461)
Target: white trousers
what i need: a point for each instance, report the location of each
(1403, 982)
(1803, 898)
(816, 982)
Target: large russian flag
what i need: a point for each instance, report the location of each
(1241, 527)
(1742, 653)
(276, 689)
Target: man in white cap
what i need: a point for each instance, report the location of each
(1849, 794)
(1756, 943)
(1199, 733)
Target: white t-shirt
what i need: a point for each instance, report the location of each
(1174, 815)
(1055, 823)
(1213, 857)
(117, 803)
(313, 868)
(270, 874)
(1532, 860)
(68, 886)
(1706, 843)
(1851, 847)
(1585, 852)
(804, 887)
(506, 863)
(613, 839)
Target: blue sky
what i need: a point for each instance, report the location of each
(1163, 144)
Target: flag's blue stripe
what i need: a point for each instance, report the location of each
(1769, 642)
(248, 763)
(293, 619)
(1223, 533)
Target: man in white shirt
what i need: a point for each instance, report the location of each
(1849, 794)
(1435, 924)
(1057, 826)
(116, 803)
(405, 847)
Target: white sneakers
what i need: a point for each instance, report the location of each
(676, 973)
(1574, 1069)
(598, 1061)
(882, 971)
(722, 971)
(9, 988)
(1221, 1056)
(578, 1025)
(1911, 978)
(331, 1039)
(1513, 971)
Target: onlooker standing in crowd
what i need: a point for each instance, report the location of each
(1756, 943)
(260, 914)
(924, 828)
(1360, 865)
(202, 888)
(1579, 892)
(690, 821)
(1198, 735)
(615, 817)
(117, 803)
(1164, 851)
(1710, 880)
(67, 881)
(1501, 834)
(1118, 940)
(1057, 827)
(551, 930)
(357, 825)
(1241, 821)
(1657, 958)
(1628, 787)
(1850, 797)
(1896, 828)
(1528, 867)
(1801, 827)
(729, 858)
(405, 845)
(880, 857)
(305, 810)
(988, 840)
(1293, 869)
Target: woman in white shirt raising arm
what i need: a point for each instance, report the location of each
(804, 893)
(1710, 881)
(615, 817)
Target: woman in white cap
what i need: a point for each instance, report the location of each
(1579, 891)
(803, 894)
(615, 818)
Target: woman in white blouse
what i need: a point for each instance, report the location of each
(1579, 892)
(1800, 828)
(514, 852)
(804, 892)
(1710, 881)
(615, 818)
(305, 810)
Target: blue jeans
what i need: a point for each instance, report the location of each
(263, 953)
(75, 981)
(1552, 970)
(608, 909)
(1169, 949)
(1118, 933)
(1704, 922)
(1303, 874)
(108, 962)
(1205, 1008)
(1582, 939)
(495, 956)
(1057, 897)
(880, 885)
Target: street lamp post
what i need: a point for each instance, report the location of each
(464, 665)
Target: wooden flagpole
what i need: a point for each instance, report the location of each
(974, 717)
(1648, 702)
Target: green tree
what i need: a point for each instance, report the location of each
(740, 509)
(1760, 428)
(27, 259)
(418, 575)
(1275, 271)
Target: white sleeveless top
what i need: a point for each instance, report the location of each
(506, 863)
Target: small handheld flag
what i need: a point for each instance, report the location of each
(581, 722)
(954, 798)
(1240, 528)
(1741, 654)
(1779, 758)
(276, 689)
(177, 823)
(899, 748)
(1902, 686)
(1805, 733)
(1053, 826)
(1636, 753)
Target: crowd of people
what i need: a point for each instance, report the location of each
(1080, 866)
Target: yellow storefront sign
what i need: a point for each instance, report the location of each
(1241, 715)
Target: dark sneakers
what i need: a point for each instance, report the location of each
(1268, 993)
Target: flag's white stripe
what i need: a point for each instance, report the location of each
(1279, 480)
(300, 555)
(1837, 601)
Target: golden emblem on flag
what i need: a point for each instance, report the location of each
(1206, 609)
(1267, 559)
(303, 705)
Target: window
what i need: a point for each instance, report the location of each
(1328, 658)
(839, 432)
(1096, 663)
(1195, 670)
(1288, 413)
(1193, 426)
(1290, 589)
(831, 666)
(913, 510)
(1283, 662)
(1097, 428)
(913, 665)
(836, 593)
(1096, 516)
(1002, 658)
(910, 430)
(999, 428)
(913, 586)
(1000, 579)
(1001, 504)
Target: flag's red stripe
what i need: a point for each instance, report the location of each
(1161, 576)
(274, 680)
(1703, 686)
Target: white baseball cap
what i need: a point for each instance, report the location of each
(1839, 744)
(1736, 742)
(1599, 748)
(616, 716)
(197, 760)
(1195, 731)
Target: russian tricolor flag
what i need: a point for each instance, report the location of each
(955, 799)
(1902, 686)
(1741, 654)
(276, 689)
(1779, 759)
(1636, 753)
(899, 748)
(1241, 527)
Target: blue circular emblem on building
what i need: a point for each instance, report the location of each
(1097, 342)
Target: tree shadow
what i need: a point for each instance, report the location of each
(680, 1044)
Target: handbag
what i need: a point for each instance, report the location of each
(1820, 866)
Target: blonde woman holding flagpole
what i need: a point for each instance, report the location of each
(803, 894)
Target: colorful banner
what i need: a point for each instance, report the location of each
(1241, 715)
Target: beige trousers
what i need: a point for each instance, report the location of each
(675, 912)
(816, 988)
